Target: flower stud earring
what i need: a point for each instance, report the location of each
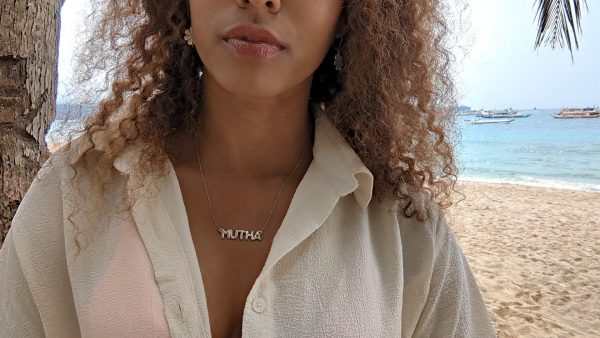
(188, 36)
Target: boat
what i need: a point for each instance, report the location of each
(468, 113)
(502, 114)
(578, 113)
(494, 121)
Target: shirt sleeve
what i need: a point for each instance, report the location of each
(19, 316)
(36, 299)
(454, 305)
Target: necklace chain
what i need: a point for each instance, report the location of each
(243, 234)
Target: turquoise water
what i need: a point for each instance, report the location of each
(538, 150)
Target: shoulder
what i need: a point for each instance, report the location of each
(422, 241)
(62, 199)
(51, 190)
(44, 192)
(39, 216)
(428, 229)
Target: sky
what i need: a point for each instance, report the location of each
(501, 69)
(497, 66)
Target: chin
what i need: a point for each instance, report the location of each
(253, 85)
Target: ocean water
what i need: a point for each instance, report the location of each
(538, 150)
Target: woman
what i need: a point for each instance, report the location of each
(193, 206)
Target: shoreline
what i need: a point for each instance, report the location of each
(534, 253)
(559, 185)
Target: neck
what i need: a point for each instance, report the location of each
(254, 137)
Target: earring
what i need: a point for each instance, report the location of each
(188, 36)
(338, 61)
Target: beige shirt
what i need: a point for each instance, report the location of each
(341, 264)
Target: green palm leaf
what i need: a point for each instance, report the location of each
(559, 22)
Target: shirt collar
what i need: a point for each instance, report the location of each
(331, 153)
(340, 163)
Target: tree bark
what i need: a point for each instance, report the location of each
(29, 32)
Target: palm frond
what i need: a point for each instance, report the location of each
(559, 22)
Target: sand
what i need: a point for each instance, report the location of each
(536, 255)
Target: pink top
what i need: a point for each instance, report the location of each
(126, 301)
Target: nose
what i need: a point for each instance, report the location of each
(272, 5)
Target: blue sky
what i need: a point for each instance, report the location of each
(501, 68)
(497, 66)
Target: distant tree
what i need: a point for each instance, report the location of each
(28, 83)
(559, 22)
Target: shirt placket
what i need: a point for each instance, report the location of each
(170, 268)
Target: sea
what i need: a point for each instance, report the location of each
(538, 150)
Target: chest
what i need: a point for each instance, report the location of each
(229, 267)
(229, 270)
(332, 280)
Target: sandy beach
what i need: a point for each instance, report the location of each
(536, 255)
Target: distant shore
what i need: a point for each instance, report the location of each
(534, 252)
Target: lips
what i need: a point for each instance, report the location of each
(252, 34)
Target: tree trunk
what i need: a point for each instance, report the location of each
(29, 33)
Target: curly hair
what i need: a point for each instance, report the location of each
(393, 101)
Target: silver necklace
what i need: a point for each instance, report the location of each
(237, 234)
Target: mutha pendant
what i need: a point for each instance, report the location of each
(242, 235)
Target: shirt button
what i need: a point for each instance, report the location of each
(258, 305)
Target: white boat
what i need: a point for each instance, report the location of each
(493, 121)
(502, 114)
(468, 113)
